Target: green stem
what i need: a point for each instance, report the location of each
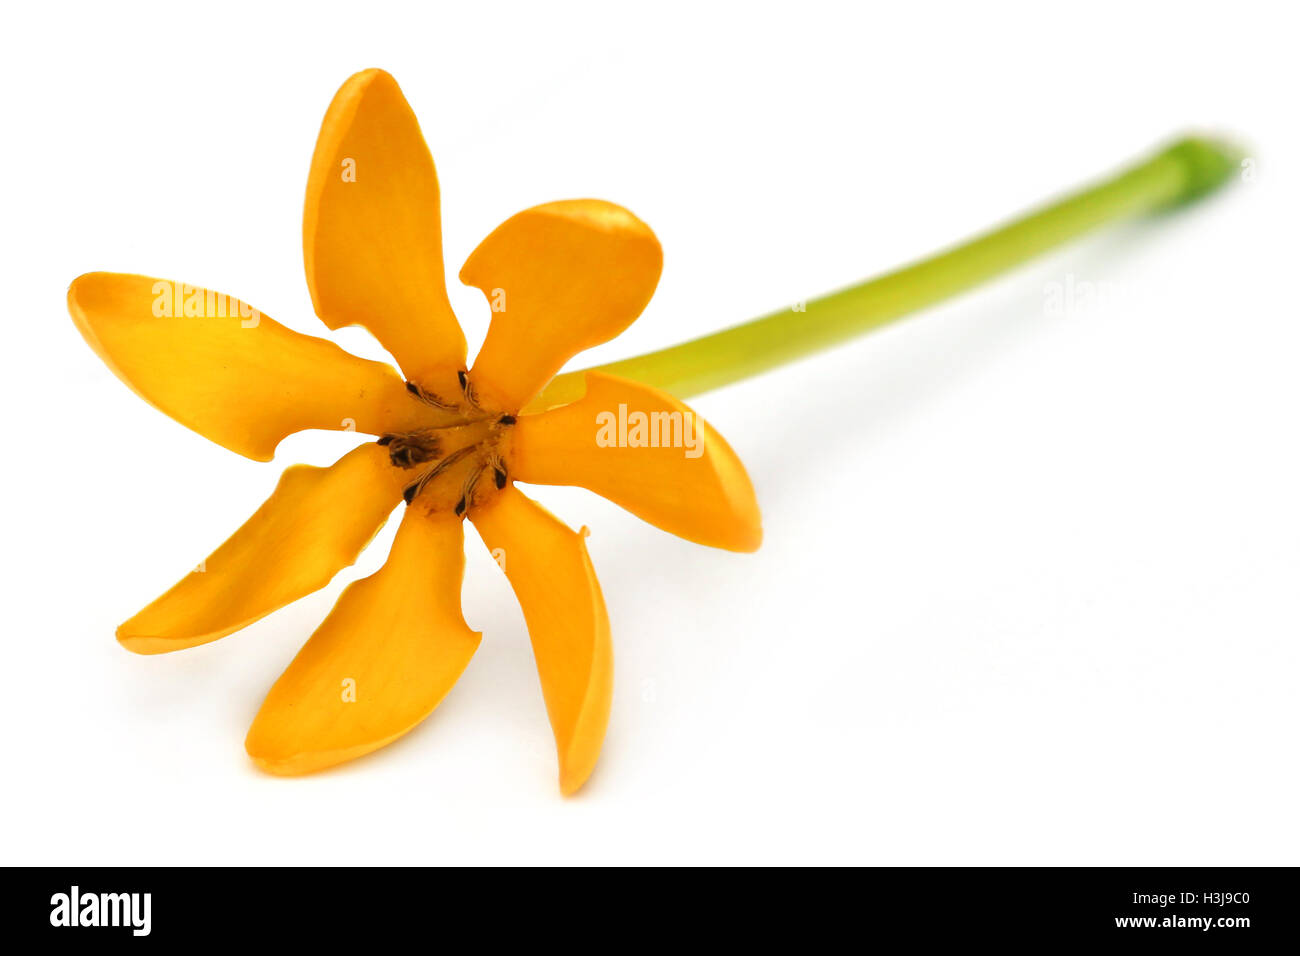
(1184, 171)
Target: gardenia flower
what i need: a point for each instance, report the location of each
(452, 440)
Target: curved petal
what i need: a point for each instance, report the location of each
(230, 373)
(371, 232)
(647, 452)
(561, 278)
(386, 656)
(315, 524)
(551, 574)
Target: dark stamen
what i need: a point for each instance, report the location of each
(412, 448)
(467, 492)
(500, 475)
(467, 388)
(506, 420)
(427, 397)
(460, 507)
(437, 470)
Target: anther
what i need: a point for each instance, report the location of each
(499, 475)
(467, 389)
(506, 420)
(467, 492)
(427, 397)
(414, 448)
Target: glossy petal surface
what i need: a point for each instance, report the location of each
(646, 451)
(242, 380)
(316, 523)
(386, 656)
(561, 277)
(552, 576)
(372, 233)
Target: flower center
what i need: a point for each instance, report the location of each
(456, 466)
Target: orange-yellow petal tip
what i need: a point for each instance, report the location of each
(81, 288)
(578, 762)
(751, 542)
(277, 768)
(571, 783)
(289, 765)
(562, 277)
(72, 288)
(143, 643)
(593, 216)
(282, 763)
(372, 234)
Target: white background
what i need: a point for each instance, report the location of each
(1028, 592)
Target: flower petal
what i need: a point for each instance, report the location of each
(386, 656)
(315, 524)
(561, 278)
(371, 231)
(692, 484)
(240, 379)
(552, 576)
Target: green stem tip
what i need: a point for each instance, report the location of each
(1181, 173)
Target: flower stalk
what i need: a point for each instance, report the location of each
(1184, 171)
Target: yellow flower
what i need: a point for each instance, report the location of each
(452, 440)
